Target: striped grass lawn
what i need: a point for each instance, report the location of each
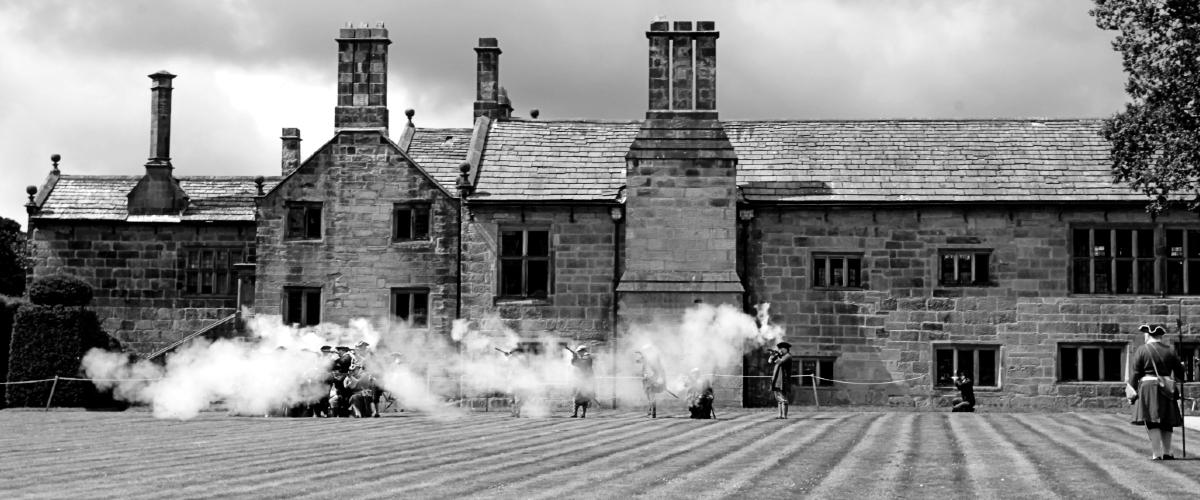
(746, 454)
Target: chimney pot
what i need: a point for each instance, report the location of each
(683, 26)
(660, 26)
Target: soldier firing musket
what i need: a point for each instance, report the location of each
(584, 381)
(781, 375)
(654, 378)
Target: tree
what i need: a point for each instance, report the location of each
(1155, 140)
(12, 258)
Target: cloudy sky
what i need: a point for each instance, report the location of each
(73, 73)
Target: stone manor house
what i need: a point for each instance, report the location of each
(889, 249)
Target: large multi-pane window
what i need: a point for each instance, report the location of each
(303, 220)
(524, 263)
(410, 221)
(1182, 261)
(301, 305)
(964, 267)
(1135, 260)
(979, 362)
(1091, 362)
(837, 270)
(209, 271)
(411, 305)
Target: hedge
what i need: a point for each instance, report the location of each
(49, 338)
(62, 290)
(8, 308)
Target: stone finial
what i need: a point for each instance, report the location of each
(533, 113)
(464, 179)
(258, 184)
(31, 206)
(54, 158)
(410, 113)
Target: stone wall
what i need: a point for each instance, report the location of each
(887, 330)
(136, 274)
(579, 305)
(358, 177)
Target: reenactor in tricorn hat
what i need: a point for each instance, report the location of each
(781, 376)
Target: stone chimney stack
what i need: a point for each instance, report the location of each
(681, 173)
(158, 192)
(682, 66)
(290, 158)
(362, 78)
(160, 119)
(490, 100)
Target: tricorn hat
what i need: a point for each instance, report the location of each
(783, 345)
(1153, 330)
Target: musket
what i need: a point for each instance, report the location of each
(506, 353)
(572, 350)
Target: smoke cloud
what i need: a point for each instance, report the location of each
(280, 366)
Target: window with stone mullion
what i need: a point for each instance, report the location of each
(524, 263)
(209, 271)
(1114, 261)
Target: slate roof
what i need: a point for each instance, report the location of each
(440, 151)
(103, 197)
(867, 161)
(925, 161)
(554, 160)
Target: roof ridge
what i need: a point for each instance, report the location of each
(917, 120)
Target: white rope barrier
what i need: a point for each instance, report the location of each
(602, 377)
(27, 381)
(826, 379)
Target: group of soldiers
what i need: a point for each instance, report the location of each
(346, 387)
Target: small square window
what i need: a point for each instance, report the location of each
(411, 221)
(411, 305)
(303, 220)
(302, 306)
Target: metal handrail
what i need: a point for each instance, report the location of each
(190, 336)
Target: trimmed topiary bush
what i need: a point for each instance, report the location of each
(50, 340)
(60, 290)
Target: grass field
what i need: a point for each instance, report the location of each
(747, 454)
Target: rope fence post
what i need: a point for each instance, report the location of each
(51, 398)
(816, 400)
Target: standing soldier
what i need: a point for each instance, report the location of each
(654, 378)
(781, 376)
(584, 383)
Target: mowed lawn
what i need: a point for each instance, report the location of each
(747, 453)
